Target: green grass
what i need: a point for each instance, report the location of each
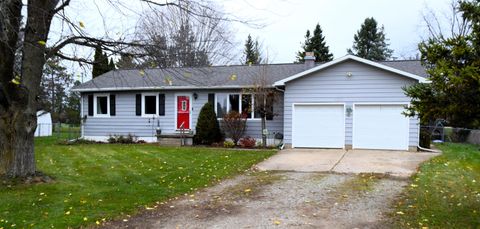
(445, 193)
(95, 182)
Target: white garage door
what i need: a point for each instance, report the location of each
(320, 126)
(380, 127)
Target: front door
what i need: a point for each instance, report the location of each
(183, 112)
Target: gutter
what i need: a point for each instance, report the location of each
(160, 88)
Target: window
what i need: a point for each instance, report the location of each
(150, 105)
(101, 105)
(243, 103)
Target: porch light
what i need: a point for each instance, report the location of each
(195, 95)
(349, 74)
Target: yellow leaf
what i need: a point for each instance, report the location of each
(142, 73)
(42, 42)
(81, 24)
(276, 222)
(400, 213)
(16, 80)
(97, 222)
(233, 77)
(85, 218)
(67, 213)
(247, 190)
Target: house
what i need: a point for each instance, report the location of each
(44, 124)
(349, 102)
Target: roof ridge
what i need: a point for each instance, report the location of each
(214, 66)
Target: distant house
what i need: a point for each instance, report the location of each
(44, 124)
(349, 102)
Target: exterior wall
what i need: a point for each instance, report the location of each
(331, 85)
(126, 122)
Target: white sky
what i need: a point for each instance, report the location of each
(286, 22)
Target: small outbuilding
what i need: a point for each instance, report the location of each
(44, 124)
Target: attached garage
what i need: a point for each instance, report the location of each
(318, 125)
(380, 126)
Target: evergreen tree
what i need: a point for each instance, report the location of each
(100, 64)
(315, 44)
(370, 42)
(252, 51)
(111, 65)
(125, 62)
(208, 129)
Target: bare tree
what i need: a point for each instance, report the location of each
(18, 92)
(265, 98)
(447, 24)
(182, 39)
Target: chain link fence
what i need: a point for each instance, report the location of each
(440, 133)
(62, 131)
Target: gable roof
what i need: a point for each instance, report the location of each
(226, 77)
(390, 66)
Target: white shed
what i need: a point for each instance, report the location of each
(44, 124)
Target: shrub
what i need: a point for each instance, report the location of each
(207, 130)
(248, 142)
(459, 135)
(234, 125)
(129, 139)
(228, 144)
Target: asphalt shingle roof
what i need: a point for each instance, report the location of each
(210, 77)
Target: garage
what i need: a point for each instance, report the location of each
(380, 126)
(318, 126)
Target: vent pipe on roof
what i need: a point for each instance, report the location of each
(309, 59)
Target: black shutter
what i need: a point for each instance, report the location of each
(112, 105)
(211, 98)
(90, 105)
(161, 104)
(270, 113)
(138, 104)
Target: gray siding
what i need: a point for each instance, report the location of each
(331, 85)
(126, 122)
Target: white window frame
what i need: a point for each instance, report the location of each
(241, 103)
(156, 105)
(95, 96)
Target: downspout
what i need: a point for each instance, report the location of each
(282, 146)
(428, 150)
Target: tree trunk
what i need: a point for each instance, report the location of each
(264, 136)
(18, 101)
(17, 129)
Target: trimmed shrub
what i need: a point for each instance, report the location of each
(129, 139)
(247, 142)
(228, 144)
(207, 130)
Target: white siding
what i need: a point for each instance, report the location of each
(332, 85)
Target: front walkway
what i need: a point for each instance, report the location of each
(395, 163)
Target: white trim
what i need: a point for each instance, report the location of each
(142, 105)
(95, 96)
(163, 88)
(351, 57)
(190, 110)
(378, 103)
(317, 104)
(241, 103)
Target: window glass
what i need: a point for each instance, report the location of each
(222, 101)
(258, 103)
(150, 104)
(102, 105)
(234, 103)
(247, 105)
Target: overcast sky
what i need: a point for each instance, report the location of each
(286, 22)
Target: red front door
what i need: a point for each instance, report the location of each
(183, 112)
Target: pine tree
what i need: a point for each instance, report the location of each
(125, 62)
(370, 42)
(111, 65)
(207, 130)
(100, 64)
(315, 44)
(252, 51)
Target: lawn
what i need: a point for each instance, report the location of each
(98, 182)
(445, 193)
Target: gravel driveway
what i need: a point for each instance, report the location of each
(278, 200)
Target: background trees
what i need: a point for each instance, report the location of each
(315, 44)
(452, 63)
(370, 42)
(251, 51)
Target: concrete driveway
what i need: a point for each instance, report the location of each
(395, 163)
